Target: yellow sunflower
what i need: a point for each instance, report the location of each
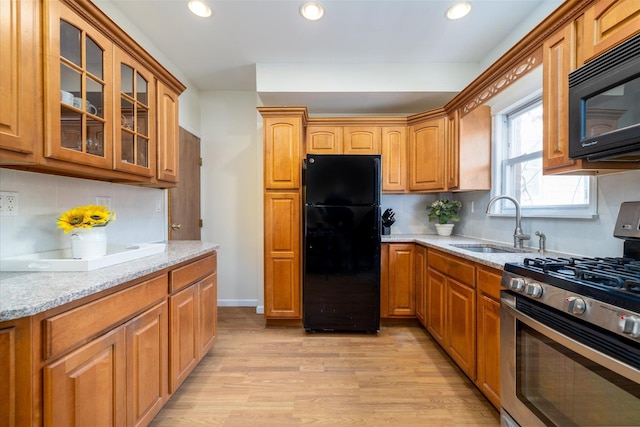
(85, 217)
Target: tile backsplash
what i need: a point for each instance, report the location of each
(141, 212)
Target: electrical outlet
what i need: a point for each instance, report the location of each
(9, 203)
(158, 205)
(104, 201)
(470, 206)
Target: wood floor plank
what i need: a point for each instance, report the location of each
(280, 377)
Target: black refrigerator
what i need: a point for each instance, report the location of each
(341, 284)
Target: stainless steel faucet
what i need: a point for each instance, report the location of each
(542, 243)
(518, 236)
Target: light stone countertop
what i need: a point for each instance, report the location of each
(492, 260)
(24, 294)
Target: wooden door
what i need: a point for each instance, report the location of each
(394, 159)
(436, 305)
(282, 248)
(184, 200)
(20, 109)
(207, 317)
(183, 321)
(461, 326)
(323, 140)
(427, 156)
(147, 364)
(361, 140)
(402, 284)
(421, 283)
(71, 384)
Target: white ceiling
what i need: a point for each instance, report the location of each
(221, 52)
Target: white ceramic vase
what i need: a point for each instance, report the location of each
(88, 243)
(444, 229)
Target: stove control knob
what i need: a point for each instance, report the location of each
(534, 290)
(631, 326)
(517, 284)
(576, 305)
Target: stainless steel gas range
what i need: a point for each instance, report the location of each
(570, 337)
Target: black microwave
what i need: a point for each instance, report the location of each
(604, 106)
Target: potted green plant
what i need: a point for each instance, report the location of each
(442, 212)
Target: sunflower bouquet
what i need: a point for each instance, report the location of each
(88, 216)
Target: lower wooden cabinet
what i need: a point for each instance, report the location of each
(397, 284)
(488, 327)
(109, 361)
(193, 327)
(88, 386)
(451, 308)
(421, 283)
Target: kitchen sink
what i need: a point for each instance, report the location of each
(487, 248)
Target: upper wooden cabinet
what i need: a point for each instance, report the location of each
(474, 150)
(79, 90)
(323, 140)
(168, 135)
(562, 53)
(21, 105)
(427, 155)
(607, 23)
(95, 114)
(361, 140)
(282, 153)
(394, 159)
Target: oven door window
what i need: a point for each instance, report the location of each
(566, 389)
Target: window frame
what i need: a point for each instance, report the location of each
(501, 160)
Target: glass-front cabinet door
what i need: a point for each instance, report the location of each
(79, 104)
(134, 139)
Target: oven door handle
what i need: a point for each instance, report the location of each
(508, 305)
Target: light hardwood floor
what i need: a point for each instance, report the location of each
(277, 377)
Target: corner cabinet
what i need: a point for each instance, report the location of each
(95, 115)
(283, 137)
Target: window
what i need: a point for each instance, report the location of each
(519, 153)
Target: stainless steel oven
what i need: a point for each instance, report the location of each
(570, 337)
(559, 372)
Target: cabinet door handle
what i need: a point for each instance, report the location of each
(175, 226)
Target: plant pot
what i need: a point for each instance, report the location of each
(444, 229)
(88, 243)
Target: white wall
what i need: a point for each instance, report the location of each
(42, 198)
(232, 193)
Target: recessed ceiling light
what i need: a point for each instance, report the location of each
(312, 11)
(200, 8)
(459, 10)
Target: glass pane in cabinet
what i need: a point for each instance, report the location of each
(70, 46)
(95, 98)
(70, 129)
(126, 141)
(141, 89)
(126, 79)
(126, 114)
(141, 121)
(143, 152)
(70, 86)
(95, 137)
(94, 58)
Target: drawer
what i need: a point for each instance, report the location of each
(190, 273)
(488, 280)
(453, 267)
(67, 330)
